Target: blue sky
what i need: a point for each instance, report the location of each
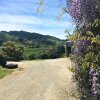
(22, 15)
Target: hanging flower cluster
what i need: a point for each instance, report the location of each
(83, 10)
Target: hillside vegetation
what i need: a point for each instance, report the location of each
(30, 45)
(29, 39)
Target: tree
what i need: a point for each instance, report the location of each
(13, 50)
(57, 51)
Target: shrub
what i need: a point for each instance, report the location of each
(53, 54)
(57, 52)
(2, 59)
(43, 56)
(13, 51)
(32, 57)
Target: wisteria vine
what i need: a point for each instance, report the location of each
(84, 10)
(86, 55)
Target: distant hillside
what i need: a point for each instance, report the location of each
(28, 38)
(36, 46)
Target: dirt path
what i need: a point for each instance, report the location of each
(39, 80)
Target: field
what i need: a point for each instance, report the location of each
(35, 51)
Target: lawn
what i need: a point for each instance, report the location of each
(4, 72)
(35, 51)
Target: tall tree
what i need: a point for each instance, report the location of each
(13, 50)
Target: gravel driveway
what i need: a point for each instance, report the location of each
(39, 80)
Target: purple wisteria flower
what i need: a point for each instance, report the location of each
(83, 10)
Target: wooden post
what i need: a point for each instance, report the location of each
(68, 48)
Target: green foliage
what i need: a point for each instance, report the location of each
(32, 57)
(86, 57)
(43, 56)
(75, 36)
(31, 40)
(2, 59)
(34, 53)
(56, 52)
(36, 46)
(44, 53)
(13, 51)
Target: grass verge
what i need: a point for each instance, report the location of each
(4, 72)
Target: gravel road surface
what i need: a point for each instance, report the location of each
(39, 80)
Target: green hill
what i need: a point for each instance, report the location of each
(29, 39)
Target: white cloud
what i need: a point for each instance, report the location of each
(23, 20)
(34, 24)
(21, 15)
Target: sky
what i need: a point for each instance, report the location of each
(22, 15)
